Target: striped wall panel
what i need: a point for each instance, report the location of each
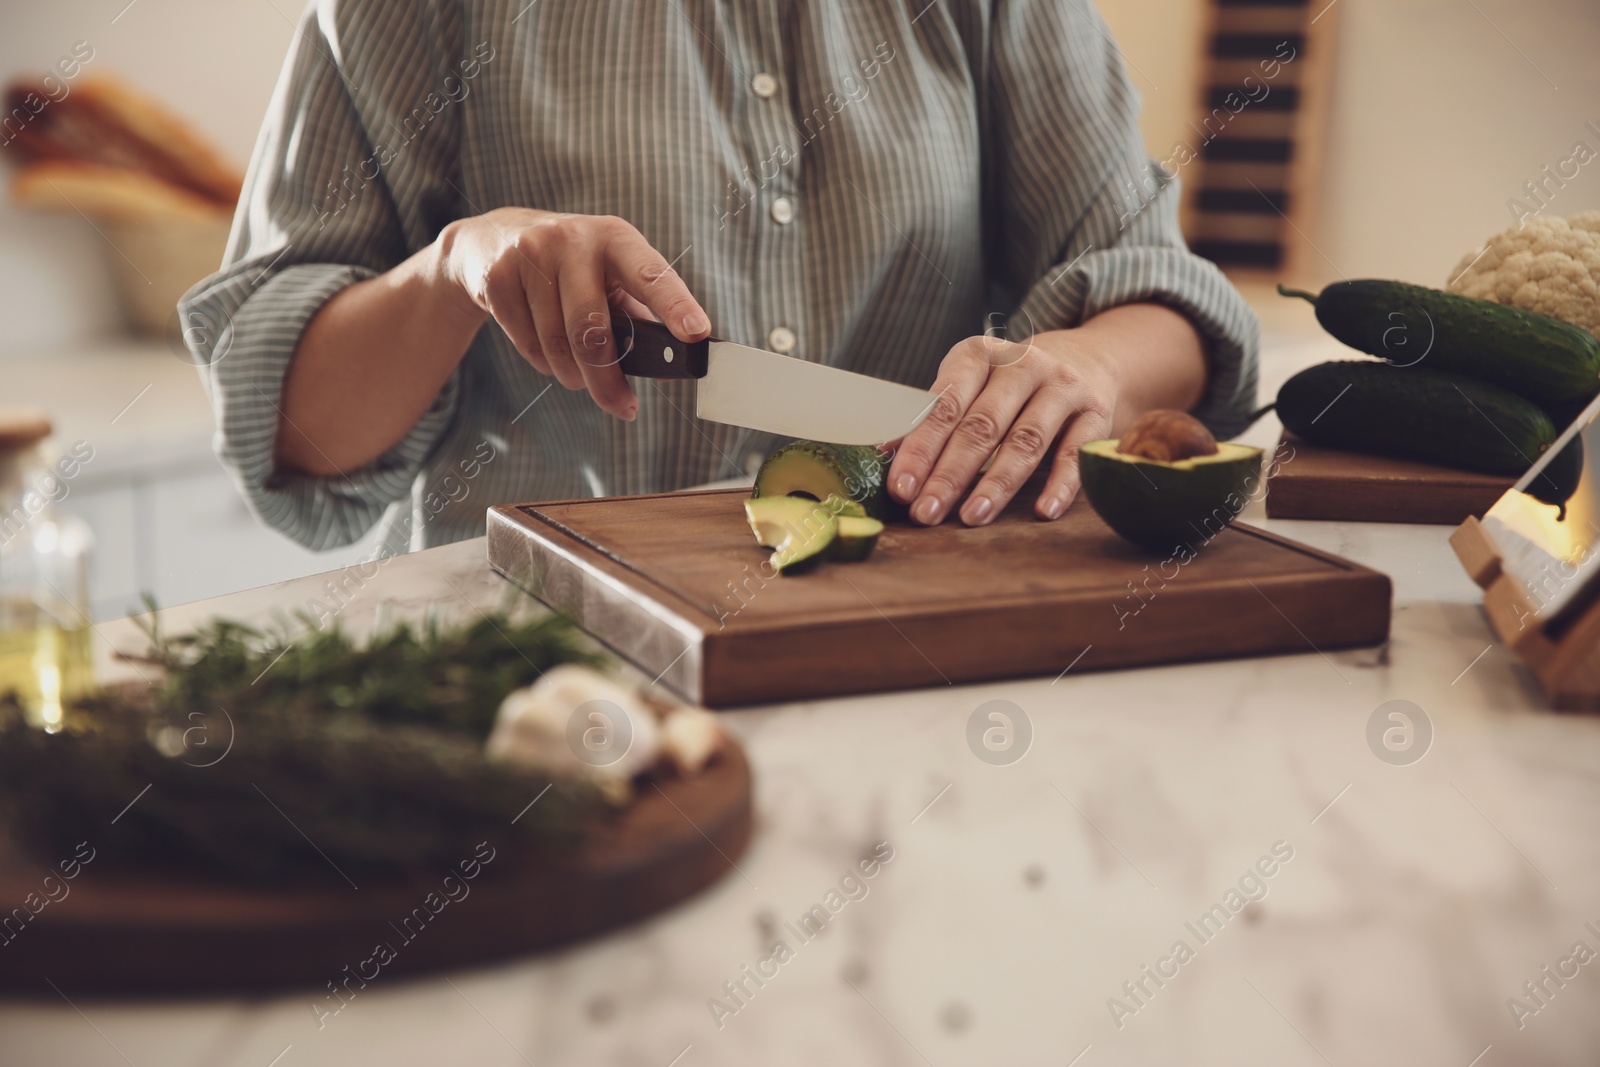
(1250, 132)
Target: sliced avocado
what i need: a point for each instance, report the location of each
(816, 470)
(844, 507)
(858, 536)
(771, 518)
(803, 531)
(1166, 506)
(802, 555)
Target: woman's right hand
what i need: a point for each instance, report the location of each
(551, 281)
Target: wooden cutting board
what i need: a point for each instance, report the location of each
(1313, 482)
(676, 584)
(120, 932)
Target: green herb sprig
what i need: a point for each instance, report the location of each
(275, 754)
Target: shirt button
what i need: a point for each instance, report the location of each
(783, 211)
(781, 340)
(764, 85)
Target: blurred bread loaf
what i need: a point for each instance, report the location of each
(153, 188)
(109, 193)
(107, 122)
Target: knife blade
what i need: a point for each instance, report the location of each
(761, 390)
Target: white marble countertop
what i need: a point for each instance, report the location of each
(1020, 898)
(1418, 900)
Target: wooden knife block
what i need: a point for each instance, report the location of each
(1567, 664)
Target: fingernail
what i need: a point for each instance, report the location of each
(977, 510)
(1053, 507)
(927, 510)
(694, 322)
(905, 486)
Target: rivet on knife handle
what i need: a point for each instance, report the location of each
(650, 351)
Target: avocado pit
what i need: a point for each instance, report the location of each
(1168, 436)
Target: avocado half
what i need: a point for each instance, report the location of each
(817, 471)
(1167, 506)
(805, 532)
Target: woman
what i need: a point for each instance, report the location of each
(448, 195)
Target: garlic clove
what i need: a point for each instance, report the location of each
(578, 721)
(690, 736)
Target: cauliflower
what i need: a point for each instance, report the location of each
(1547, 265)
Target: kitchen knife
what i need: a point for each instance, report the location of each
(765, 391)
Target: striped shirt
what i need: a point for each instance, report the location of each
(865, 182)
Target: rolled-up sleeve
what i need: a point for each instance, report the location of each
(1086, 221)
(350, 175)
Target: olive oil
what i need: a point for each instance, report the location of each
(44, 663)
(44, 572)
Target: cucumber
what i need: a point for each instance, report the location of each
(1415, 413)
(1546, 360)
(1559, 480)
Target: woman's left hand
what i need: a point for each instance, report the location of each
(1041, 398)
(1025, 402)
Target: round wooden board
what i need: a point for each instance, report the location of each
(123, 934)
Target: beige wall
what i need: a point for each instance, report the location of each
(1161, 45)
(1441, 110)
(1440, 118)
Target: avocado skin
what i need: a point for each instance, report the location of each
(817, 469)
(1165, 509)
(1415, 413)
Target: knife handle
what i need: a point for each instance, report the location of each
(650, 351)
